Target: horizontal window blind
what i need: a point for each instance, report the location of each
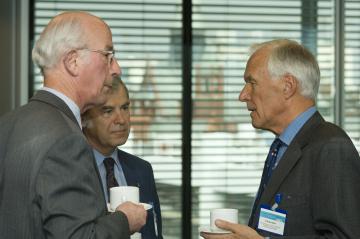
(352, 70)
(227, 152)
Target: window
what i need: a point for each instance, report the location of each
(352, 70)
(227, 153)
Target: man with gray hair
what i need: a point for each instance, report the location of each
(310, 186)
(107, 127)
(49, 184)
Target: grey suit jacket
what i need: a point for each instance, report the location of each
(319, 178)
(49, 184)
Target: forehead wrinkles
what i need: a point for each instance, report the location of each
(257, 64)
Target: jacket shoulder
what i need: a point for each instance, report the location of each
(133, 159)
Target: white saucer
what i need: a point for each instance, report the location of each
(208, 230)
(145, 205)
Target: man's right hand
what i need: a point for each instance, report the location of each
(135, 213)
(238, 231)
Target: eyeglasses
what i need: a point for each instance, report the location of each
(110, 55)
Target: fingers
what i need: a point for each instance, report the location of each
(223, 225)
(206, 235)
(226, 225)
(238, 230)
(135, 213)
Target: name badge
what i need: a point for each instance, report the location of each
(272, 221)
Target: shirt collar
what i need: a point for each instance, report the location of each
(290, 132)
(99, 157)
(69, 102)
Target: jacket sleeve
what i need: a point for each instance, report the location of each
(69, 195)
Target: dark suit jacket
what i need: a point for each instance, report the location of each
(319, 178)
(139, 173)
(49, 183)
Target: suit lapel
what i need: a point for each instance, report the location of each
(290, 158)
(129, 172)
(51, 99)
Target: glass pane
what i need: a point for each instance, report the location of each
(228, 153)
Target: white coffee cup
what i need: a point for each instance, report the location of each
(227, 214)
(136, 235)
(121, 194)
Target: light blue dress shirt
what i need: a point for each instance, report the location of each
(290, 132)
(69, 102)
(119, 174)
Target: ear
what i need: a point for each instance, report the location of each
(71, 63)
(86, 120)
(290, 85)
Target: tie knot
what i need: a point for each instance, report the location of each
(276, 144)
(109, 163)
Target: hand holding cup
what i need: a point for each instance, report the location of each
(135, 213)
(227, 214)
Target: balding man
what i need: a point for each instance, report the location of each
(49, 185)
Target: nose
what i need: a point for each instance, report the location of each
(119, 117)
(115, 68)
(244, 94)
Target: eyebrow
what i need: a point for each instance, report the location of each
(109, 48)
(105, 107)
(126, 103)
(249, 78)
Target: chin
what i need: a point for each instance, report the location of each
(255, 125)
(120, 142)
(255, 122)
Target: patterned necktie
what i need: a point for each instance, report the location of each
(268, 168)
(110, 176)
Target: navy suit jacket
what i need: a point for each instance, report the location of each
(139, 173)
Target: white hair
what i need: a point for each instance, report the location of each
(289, 57)
(59, 37)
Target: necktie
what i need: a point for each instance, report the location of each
(110, 176)
(267, 171)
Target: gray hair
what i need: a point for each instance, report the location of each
(289, 57)
(60, 36)
(116, 83)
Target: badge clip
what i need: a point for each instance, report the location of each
(273, 219)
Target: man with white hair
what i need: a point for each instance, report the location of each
(310, 187)
(49, 184)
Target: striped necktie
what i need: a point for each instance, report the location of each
(267, 171)
(110, 176)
